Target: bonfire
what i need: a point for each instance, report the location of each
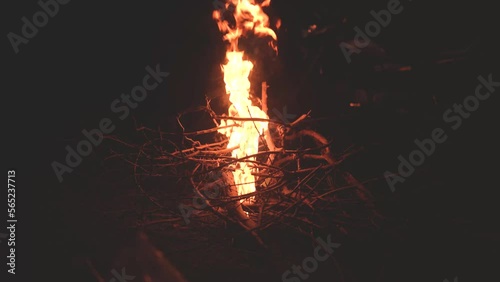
(254, 171)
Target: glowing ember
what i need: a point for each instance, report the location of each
(248, 17)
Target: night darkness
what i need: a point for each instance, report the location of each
(421, 83)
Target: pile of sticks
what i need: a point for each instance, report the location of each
(299, 183)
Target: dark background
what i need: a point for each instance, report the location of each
(66, 77)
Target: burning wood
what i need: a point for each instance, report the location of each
(269, 171)
(244, 136)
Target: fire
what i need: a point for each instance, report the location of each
(245, 134)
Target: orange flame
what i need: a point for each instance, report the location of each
(244, 134)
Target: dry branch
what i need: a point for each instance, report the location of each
(295, 183)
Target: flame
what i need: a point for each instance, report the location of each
(248, 17)
(244, 134)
